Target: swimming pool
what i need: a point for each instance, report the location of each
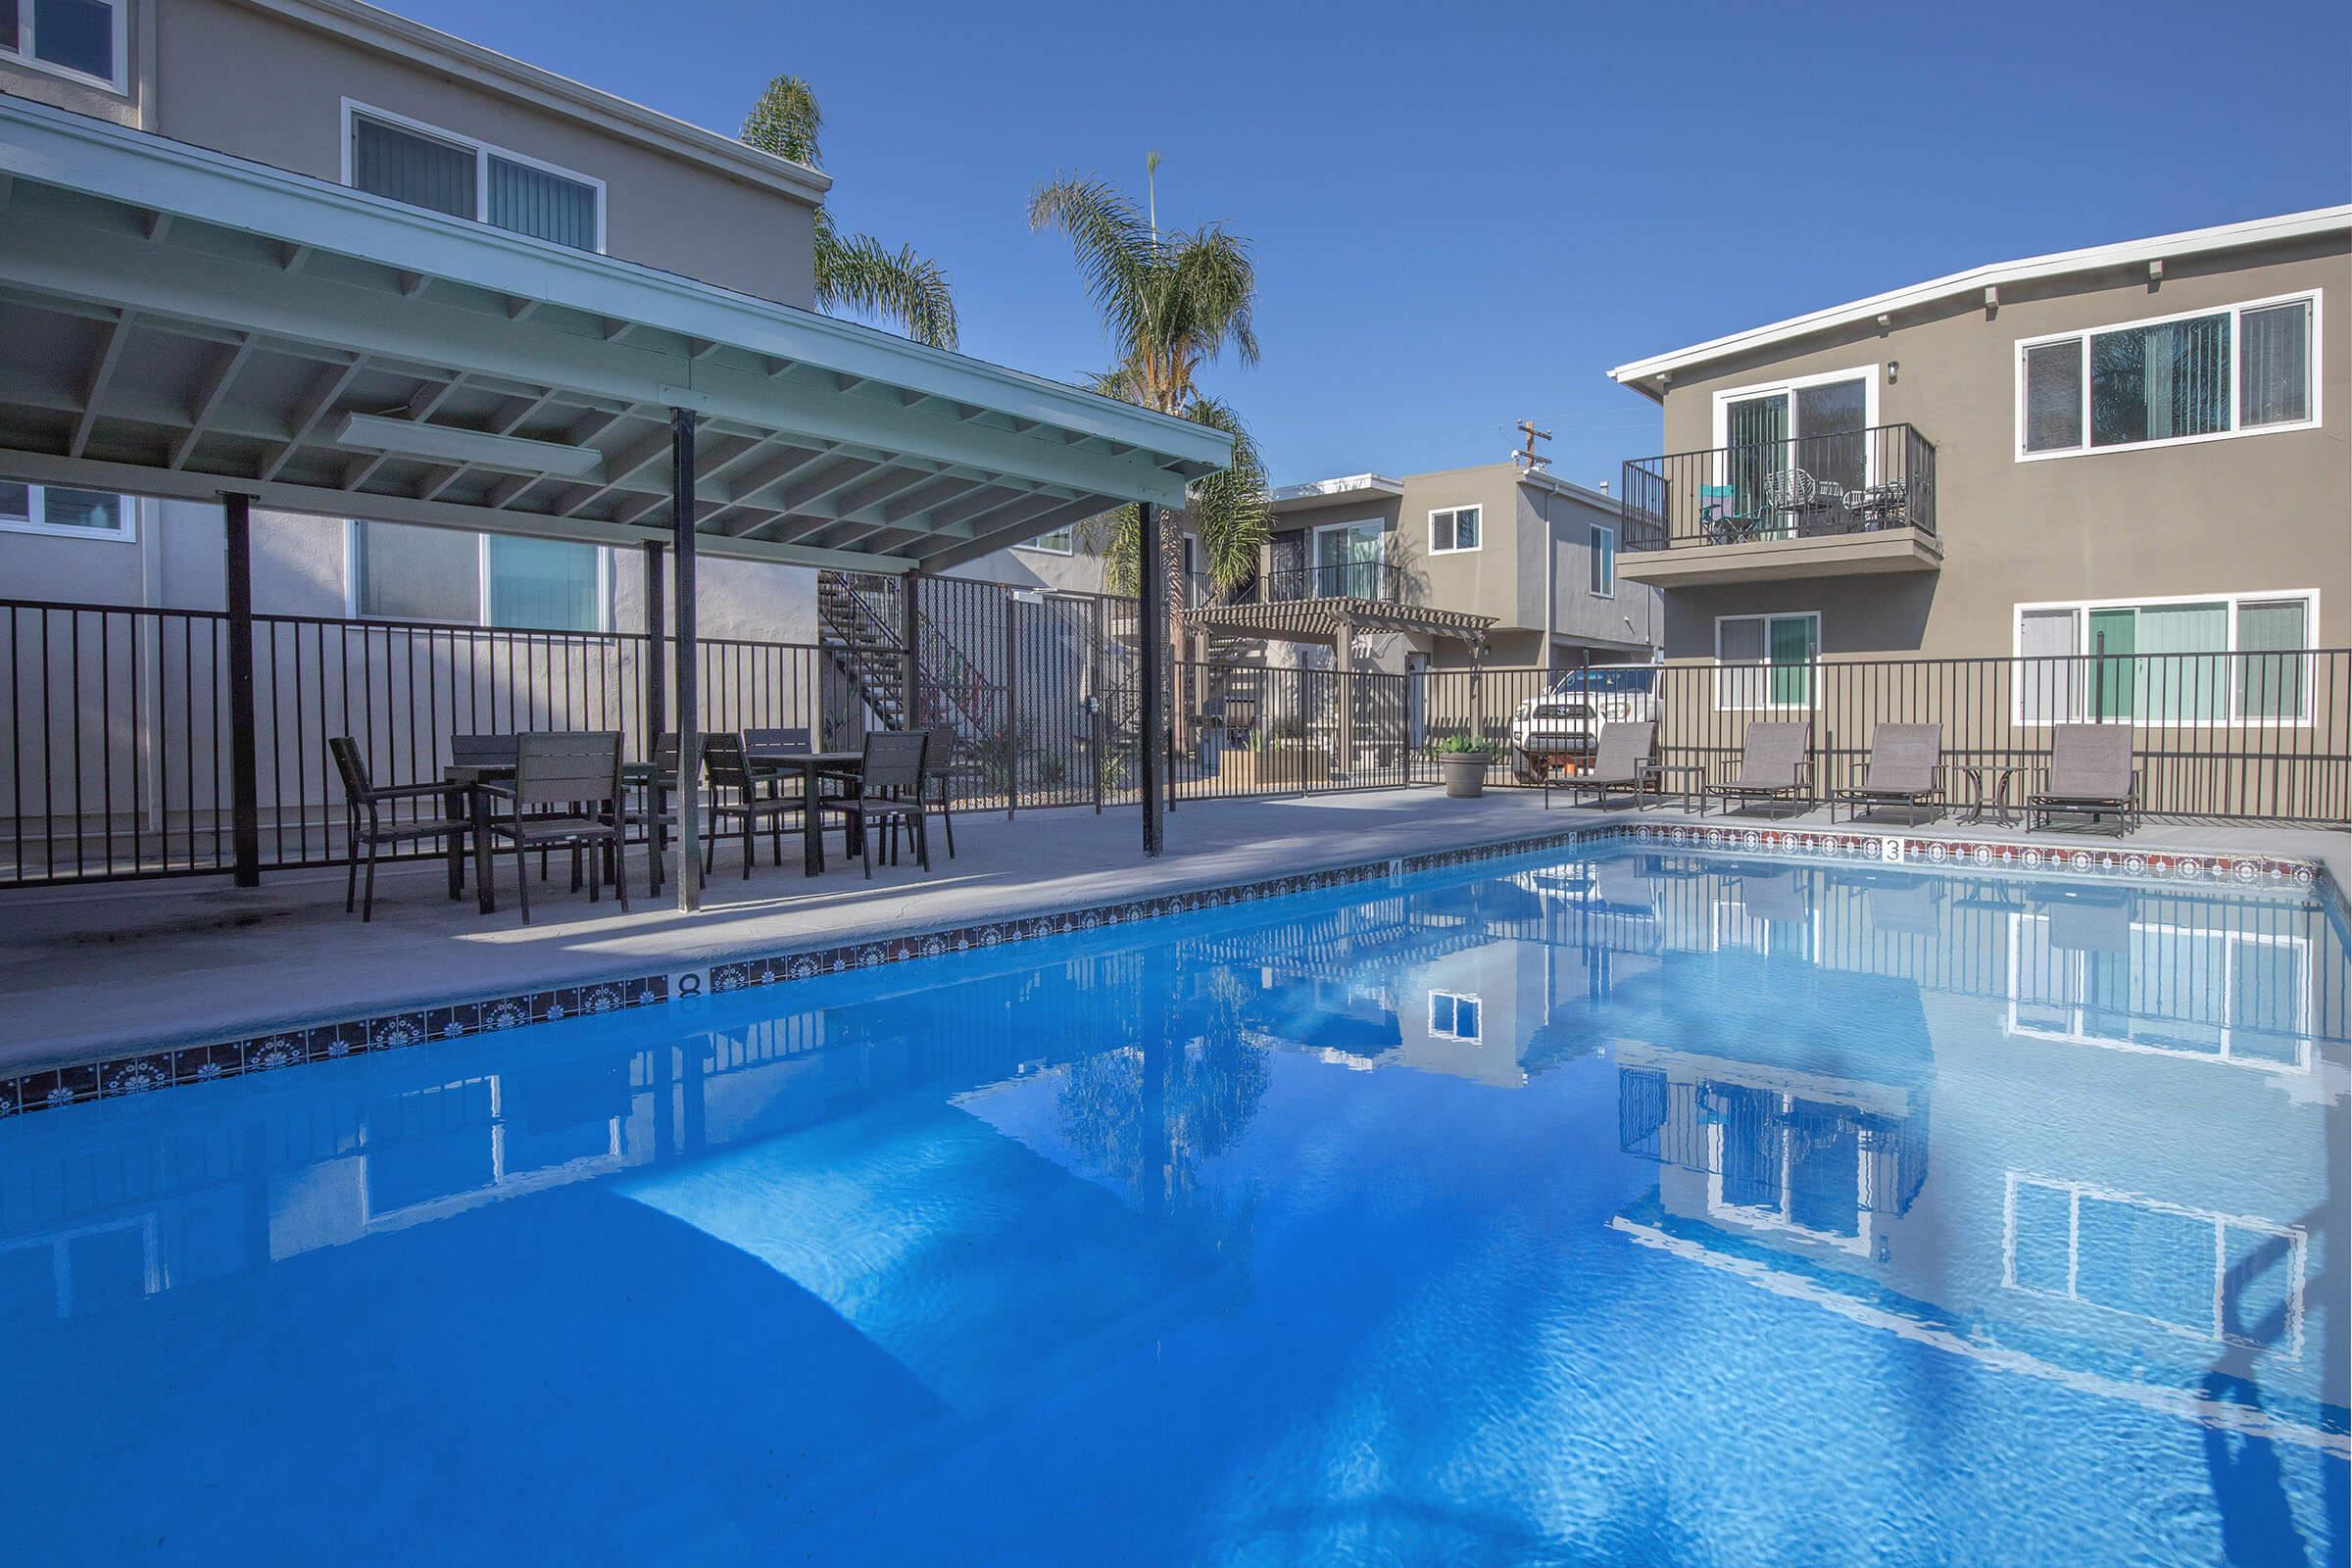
(1616, 1207)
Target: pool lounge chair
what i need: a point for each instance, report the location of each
(1626, 759)
(1776, 764)
(1905, 769)
(2089, 773)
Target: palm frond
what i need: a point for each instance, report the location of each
(786, 122)
(1114, 245)
(1212, 285)
(1228, 510)
(856, 272)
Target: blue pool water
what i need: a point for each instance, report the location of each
(1625, 1210)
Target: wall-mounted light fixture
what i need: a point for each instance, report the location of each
(1895, 368)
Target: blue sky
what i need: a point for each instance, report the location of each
(1464, 216)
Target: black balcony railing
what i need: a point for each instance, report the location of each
(1855, 482)
(1339, 579)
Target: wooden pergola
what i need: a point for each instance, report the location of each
(179, 323)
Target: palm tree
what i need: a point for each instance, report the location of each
(854, 272)
(1172, 301)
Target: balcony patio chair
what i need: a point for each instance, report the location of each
(1722, 521)
(360, 796)
(736, 798)
(567, 791)
(2089, 773)
(1905, 769)
(1776, 764)
(890, 796)
(1626, 759)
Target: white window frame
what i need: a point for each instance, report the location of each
(36, 504)
(1458, 998)
(355, 111)
(19, 50)
(1593, 559)
(1435, 512)
(481, 588)
(1766, 707)
(2237, 339)
(1067, 534)
(2082, 610)
(1867, 374)
(2074, 1191)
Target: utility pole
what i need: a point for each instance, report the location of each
(1528, 457)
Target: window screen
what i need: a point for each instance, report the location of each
(2273, 375)
(408, 574)
(2047, 681)
(2272, 666)
(407, 167)
(532, 201)
(2054, 397)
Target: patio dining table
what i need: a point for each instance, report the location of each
(813, 767)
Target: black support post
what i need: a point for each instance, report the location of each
(1152, 613)
(657, 648)
(690, 728)
(244, 772)
(911, 672)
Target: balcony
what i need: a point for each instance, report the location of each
(1373, 581)
(1857, 502)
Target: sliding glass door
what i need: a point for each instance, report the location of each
(1818, 426)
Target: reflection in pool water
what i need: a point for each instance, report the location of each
(1633, 1209)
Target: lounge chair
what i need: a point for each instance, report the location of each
(444, 818)
(1626, 759)
(1905, 769)
(2089, 773)
(1776, 764)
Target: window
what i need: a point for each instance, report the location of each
(79, 38)
(401, 573)
(1452, 529)
(388, 156)
(1347, 561)
(1057, 543)
(1603, 579)
(1453, 1016)
(1766, 661)
(2178, 378)
(1819, 423)
(2226, 659)
(69, 513)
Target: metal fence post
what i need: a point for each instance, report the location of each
(244, 772)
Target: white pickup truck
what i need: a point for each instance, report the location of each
(1560, 729)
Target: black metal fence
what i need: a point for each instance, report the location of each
(1851, 482)
(116, 747)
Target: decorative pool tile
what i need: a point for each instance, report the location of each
(138, 1072)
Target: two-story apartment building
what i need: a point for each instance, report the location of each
(1497, 564)
(2135, 448)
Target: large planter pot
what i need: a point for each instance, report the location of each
(1464, 774)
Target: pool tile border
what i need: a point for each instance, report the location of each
(138, 1072)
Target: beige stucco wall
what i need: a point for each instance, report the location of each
(260, 85)
(2260, 513)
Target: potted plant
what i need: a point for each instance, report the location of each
(1463, 764)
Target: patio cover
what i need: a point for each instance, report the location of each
(176, 321)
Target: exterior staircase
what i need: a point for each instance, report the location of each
(858, 627)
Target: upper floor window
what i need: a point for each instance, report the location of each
(1603, 582)
(1059, 542)
(386, 155)
(69, 513)
(1454, 528)
(2190, 377)
(404, 572)
(79, 38)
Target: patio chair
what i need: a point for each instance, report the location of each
(567, 791)
(1626, 759)
(1905, 769)
(657, 808)
(1776, 764)
(890, 795)
(941, 768)
(360, 796)
(1721, 520)
(736, 798)
(2089, 773)
(793, 742)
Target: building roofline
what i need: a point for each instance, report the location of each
(374, 27)
(1345, 487)
(1643, 375)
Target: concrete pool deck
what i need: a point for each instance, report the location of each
(97, 972)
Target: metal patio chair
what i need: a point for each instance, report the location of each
(1905, 769)
(890, 795)
(1776, 764)
(567, 791)
(2089, 773)
(736, 798)
(1626, 759)
(362, 796)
